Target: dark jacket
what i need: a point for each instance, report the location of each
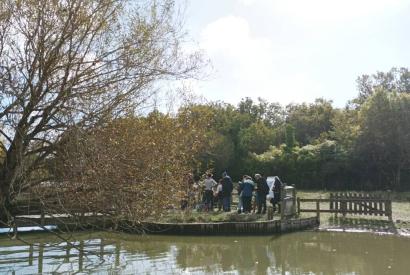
(227, 186)
(262, 187)
(247, 188)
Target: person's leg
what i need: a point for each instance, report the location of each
(246, 204)
(240, 204)
(225, 204)
(209, 200)
(250, 204)
(259, 203)
(263, 205)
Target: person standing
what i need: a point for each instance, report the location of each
(240, 203)
(247, 191)
(227, 188)
(262, 189)
(218, 195)
(277, 189)
(209, 183)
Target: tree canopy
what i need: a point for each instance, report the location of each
(77, 64)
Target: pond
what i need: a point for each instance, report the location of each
(296, 253)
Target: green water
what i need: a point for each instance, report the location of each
(297, 253)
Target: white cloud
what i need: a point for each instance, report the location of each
(247, 2)
(325, 12)
(297, 50)
(229, 39)
(247, 65)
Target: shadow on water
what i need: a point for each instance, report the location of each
(296, 253)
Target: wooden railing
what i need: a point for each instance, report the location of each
(350, 203)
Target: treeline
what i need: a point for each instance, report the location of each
(363, 146)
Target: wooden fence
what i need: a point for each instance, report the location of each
(351, 203)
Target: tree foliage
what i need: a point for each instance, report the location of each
(361, 146)
(67, 64)
(127, 169)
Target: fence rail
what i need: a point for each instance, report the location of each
(351, 203)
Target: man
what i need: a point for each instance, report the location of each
(227, 188)
(277, 188)
(262, 189)
(247, 191)
(209, 184)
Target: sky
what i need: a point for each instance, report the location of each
(294, 51)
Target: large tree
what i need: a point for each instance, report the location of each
(74, 63)
(384, 141)
(310, 120)
(397, 79)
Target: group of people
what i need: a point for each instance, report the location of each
(206, 194)
(220, 192)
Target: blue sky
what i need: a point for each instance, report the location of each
(296, 50)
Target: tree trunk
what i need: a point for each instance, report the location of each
(5, 203)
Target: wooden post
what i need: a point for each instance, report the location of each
(298, 203)
(30, 254)
(294, 200)
(389, 210)
(331, 201)
(117, 253)
(360, 203)
(336, 203)
(40, 258)
(282, 202)
(318, 209)
(81, 256)
(42, 215)
(355, 203)
(101, 249)
(344, 204)
(270, 213)
(67, 253)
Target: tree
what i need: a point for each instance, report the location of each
(67, 64)
(130, 169)
(256, 138)
(272, 114)
(397, 79)
(310, 120)
(384, 140)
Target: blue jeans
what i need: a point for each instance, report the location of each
(226, 201)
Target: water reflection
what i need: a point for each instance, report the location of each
(298, 253)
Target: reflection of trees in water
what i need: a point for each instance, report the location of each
(299, 253)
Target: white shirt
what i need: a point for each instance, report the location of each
(209, 183)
